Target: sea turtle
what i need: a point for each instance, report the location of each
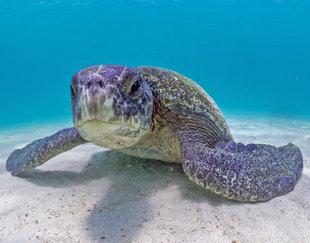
(156, 113)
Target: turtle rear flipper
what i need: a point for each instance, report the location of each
(251, 173)
(40, 151)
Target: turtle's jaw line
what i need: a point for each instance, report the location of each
(95, 120)
(79, 125)
(94, 129)
(108, 134)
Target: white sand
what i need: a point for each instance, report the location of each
(93, 195)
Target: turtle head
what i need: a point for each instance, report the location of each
(111, 105)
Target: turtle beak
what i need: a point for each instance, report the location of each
(93, 129)
(95, 114)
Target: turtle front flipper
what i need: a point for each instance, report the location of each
(255, 172)
(40, 151)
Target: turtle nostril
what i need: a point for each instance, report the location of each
(94, 84)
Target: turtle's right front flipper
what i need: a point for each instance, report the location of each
(40, 151)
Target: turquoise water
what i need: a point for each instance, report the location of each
(252, 57)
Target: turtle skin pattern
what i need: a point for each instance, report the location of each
(41, 150)
(245, 173)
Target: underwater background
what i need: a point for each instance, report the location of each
(252, 57)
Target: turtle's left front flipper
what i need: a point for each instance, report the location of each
(251, 173)
(40, 151)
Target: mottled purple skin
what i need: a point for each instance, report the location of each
(86, 78)
(40, 151)
(258, 173)
(113, 79)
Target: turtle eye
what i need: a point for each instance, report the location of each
(136, 84)
(135, 87)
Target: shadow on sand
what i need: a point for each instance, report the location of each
(124, 206)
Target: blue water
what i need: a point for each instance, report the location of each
(252, 57)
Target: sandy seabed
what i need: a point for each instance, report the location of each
(90, 194)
